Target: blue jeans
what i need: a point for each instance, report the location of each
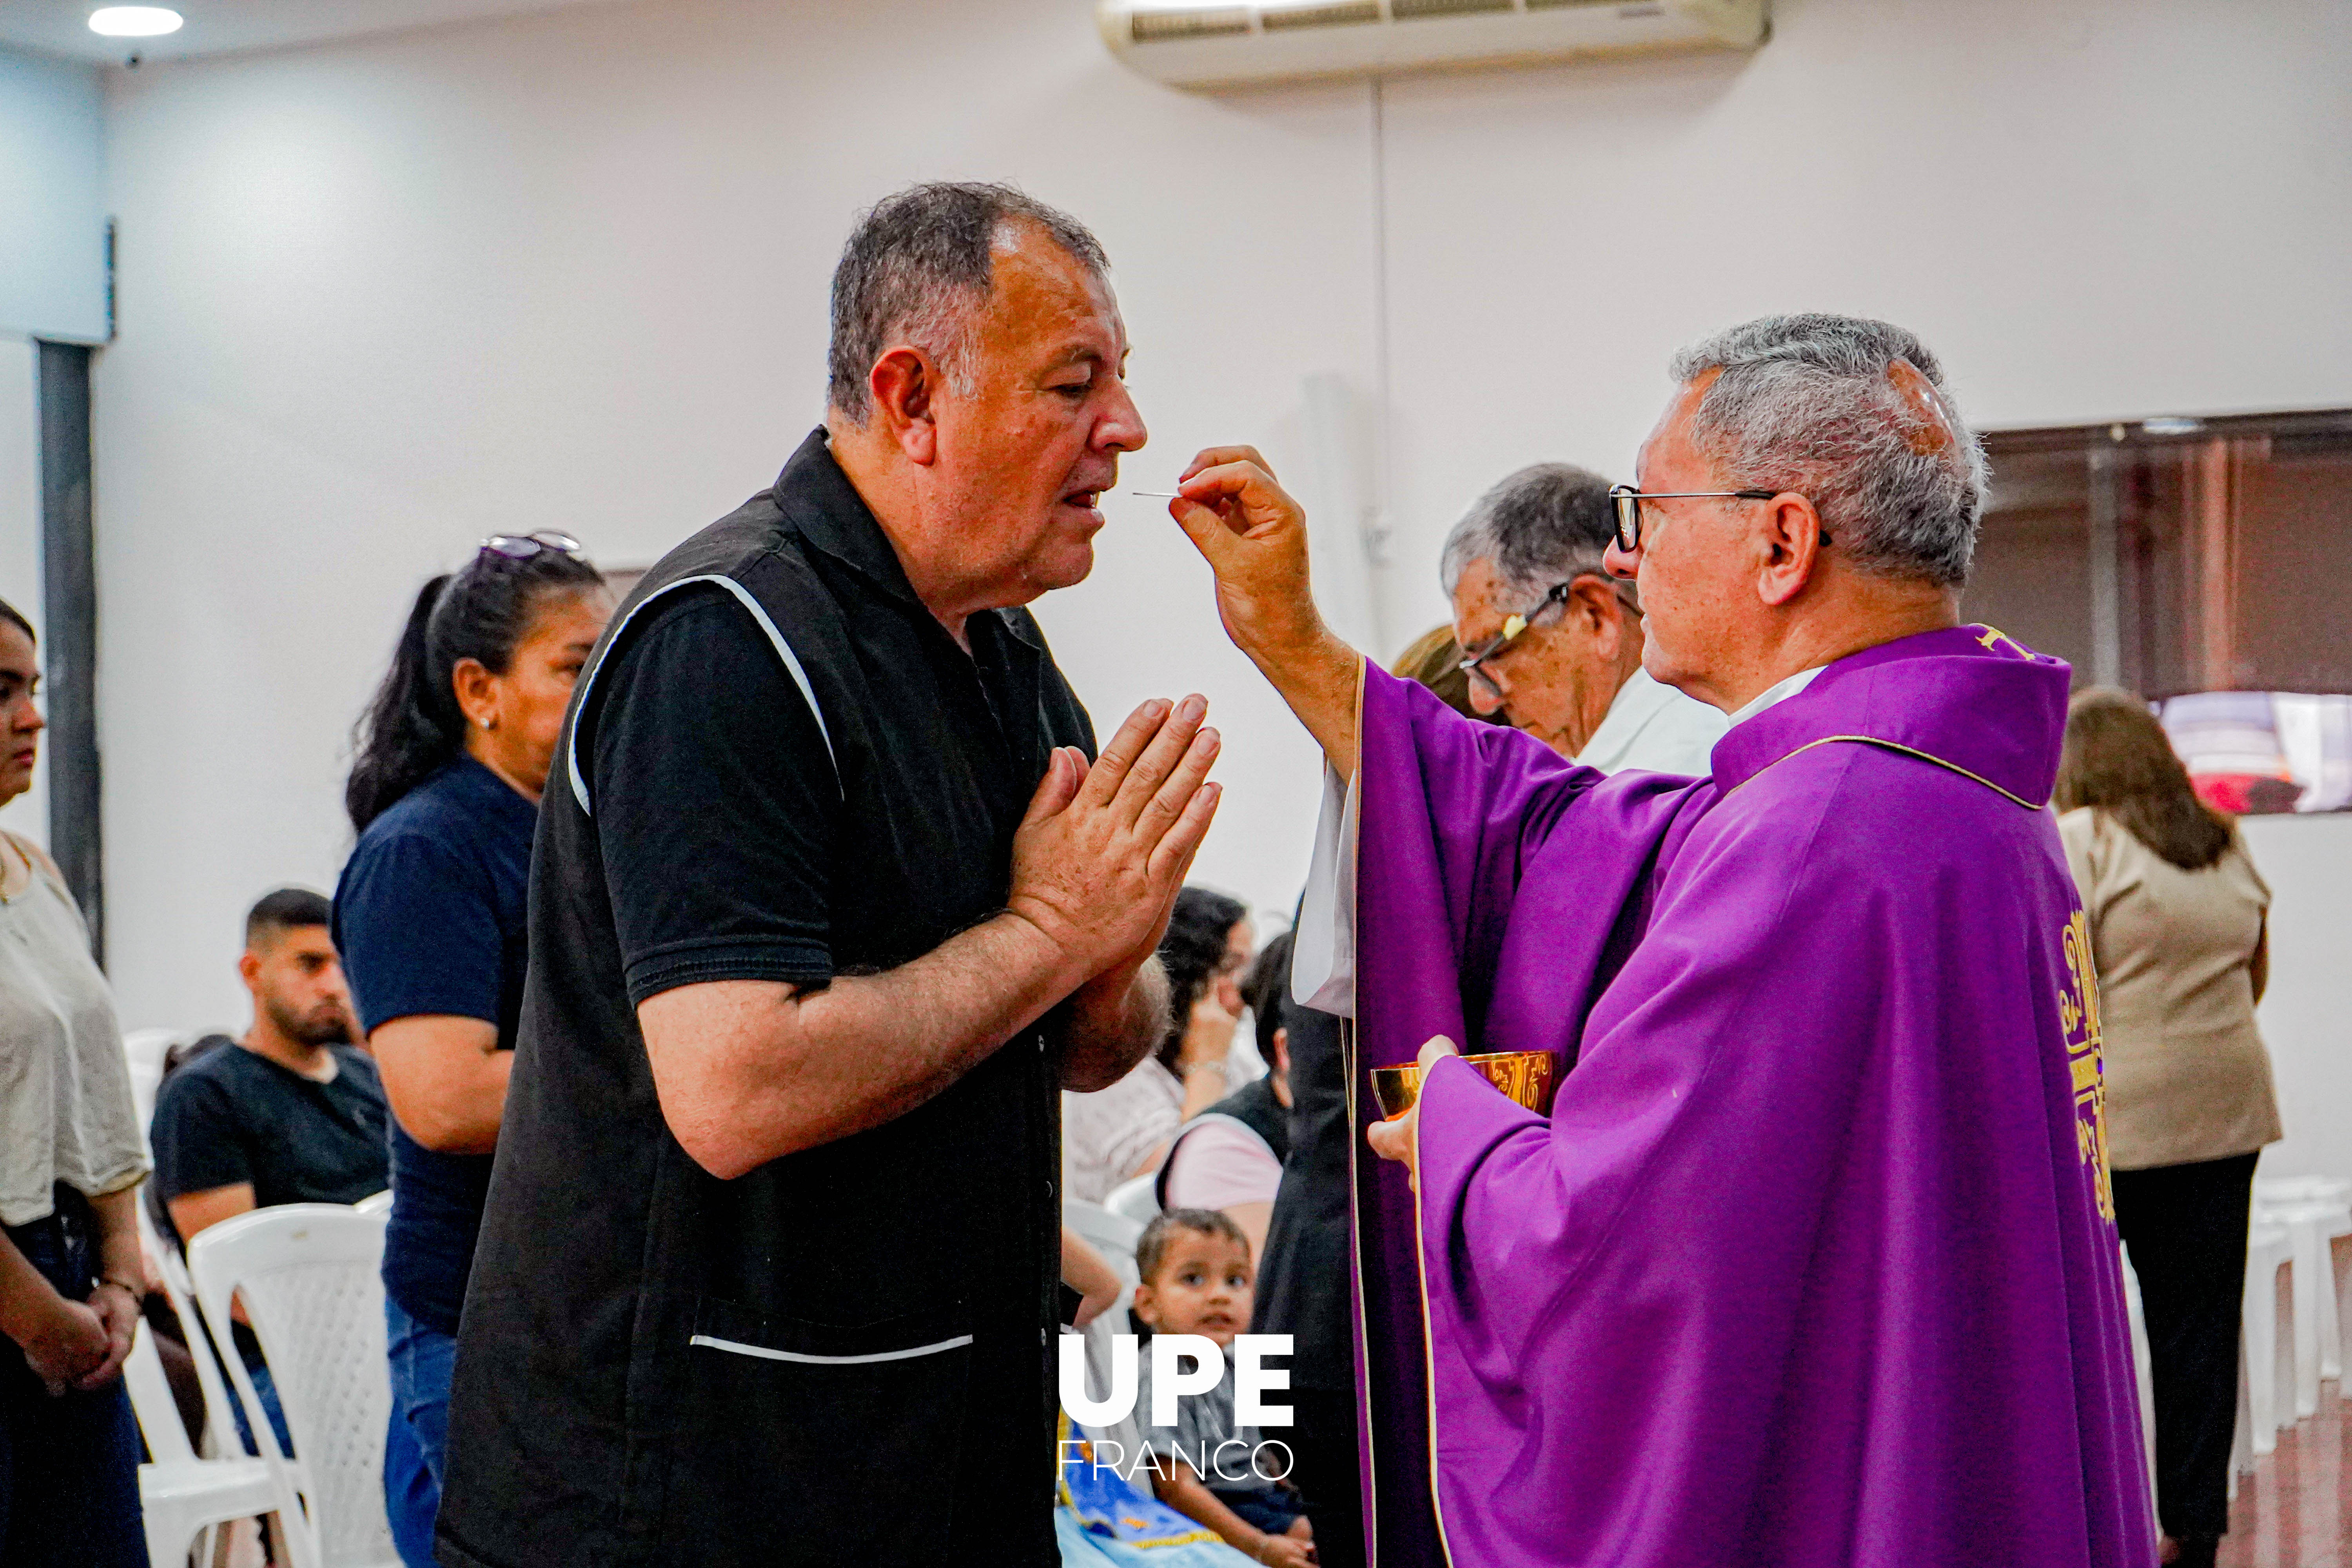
(265, 1386)
(68, 1465)
(421, 1360)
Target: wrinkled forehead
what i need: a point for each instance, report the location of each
(1044, 305)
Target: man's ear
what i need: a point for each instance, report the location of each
(904, 383)
(248, 968)
(1281, 1062)
(1790, 546)
(1595, 603)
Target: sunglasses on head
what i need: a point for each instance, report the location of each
(523, 546)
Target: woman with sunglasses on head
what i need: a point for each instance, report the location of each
(452, 755)
(70, 1272)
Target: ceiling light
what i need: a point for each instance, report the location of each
(133, 21)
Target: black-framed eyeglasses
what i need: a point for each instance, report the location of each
(1628, 502)
(1515, 627)
(523, 546)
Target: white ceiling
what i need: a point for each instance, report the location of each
(218, 26)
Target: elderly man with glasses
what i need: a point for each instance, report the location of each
(1554, 643)
(1812, 1260)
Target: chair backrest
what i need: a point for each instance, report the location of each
(152, 1401)
(1138, 1200)
(219, 1424)
(308, 1273)
(1128, 1434)
(1112, 1235)
(375, 1202)
(144, 1050)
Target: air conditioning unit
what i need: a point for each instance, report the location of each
(1202, 43)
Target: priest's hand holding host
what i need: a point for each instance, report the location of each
(1812, 1260)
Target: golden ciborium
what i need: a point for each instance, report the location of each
(1528, 1076)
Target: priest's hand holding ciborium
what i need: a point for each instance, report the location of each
(1529, 1078)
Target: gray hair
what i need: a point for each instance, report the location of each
(1809, 404)
(915, 271)
(1542, 525)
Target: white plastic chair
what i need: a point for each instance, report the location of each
(2143, 1368)
(1112, 1235)
(2269, 1249)
(2313, 1224)
(375, 1202)
(1128, 1434)
(181, 1495)
(1138, 1200)
(307, 1274)
(144, 1049)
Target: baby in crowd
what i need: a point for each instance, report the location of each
(1197, 1280)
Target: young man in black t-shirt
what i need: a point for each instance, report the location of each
(290, 1112)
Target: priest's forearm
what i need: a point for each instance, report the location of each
(1322, 679)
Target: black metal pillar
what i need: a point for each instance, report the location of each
(69, 634)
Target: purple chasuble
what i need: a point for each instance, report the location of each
(1814, 1262)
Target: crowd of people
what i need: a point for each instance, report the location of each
(731, 995)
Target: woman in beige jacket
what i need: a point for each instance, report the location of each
(2179, 937)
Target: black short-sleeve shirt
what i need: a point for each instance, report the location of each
(779, 767)
(232, 1115)
(691, 725)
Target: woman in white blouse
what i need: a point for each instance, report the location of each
(70, 1161)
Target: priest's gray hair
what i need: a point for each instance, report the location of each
(1811, 403)
(1544, 524)
(915, 271)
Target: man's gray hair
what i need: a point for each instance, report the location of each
(916, 270)
(1542, 525)
(1816, 404)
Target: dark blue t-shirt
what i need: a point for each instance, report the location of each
(429, 918)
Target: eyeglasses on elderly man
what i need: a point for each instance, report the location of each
(1546, 612)
(1628, 502)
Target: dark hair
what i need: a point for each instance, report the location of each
(915, 266)
(288, 909)
(1435, 660)
(2117, 759)
(1269, 990)
(483, 612)
(1151, 1247)
(16, 617)
(1191, 952)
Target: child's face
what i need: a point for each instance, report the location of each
(1204, 1286)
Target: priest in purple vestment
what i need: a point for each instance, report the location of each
(1813, 1260)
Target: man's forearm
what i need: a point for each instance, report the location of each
(1108, 1027)
(752, 1071)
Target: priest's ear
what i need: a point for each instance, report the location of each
(1790, 547)
(905, 384)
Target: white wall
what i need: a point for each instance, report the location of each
(381, 299)
(20, 537)
(52, 220)
(2306, 1018)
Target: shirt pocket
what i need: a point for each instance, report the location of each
(820, 1443)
